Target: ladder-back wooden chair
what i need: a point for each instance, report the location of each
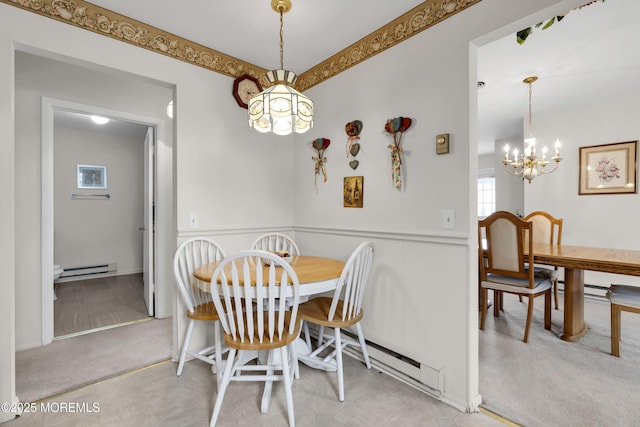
(503, 267)
(622, 298)
(547, 229)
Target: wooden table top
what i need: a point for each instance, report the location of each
(310, 269)
(619, 261)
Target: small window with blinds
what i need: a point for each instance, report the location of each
(486, 193)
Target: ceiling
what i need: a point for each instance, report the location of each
(250, 30)
(115, 126)
(591, 54)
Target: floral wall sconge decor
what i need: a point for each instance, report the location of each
(608, 168)
(396, 128)
(320, 144)
(353, 130)
(353, 191)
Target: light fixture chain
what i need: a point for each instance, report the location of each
(530, 126)
(281, 41)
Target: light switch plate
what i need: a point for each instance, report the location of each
(448, 219)
(193, 220)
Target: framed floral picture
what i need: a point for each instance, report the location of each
(608, 168)
(353, 191)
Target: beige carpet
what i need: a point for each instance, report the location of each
(73, 362)
(549, 382)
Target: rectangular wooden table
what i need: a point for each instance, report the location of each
(575, 260)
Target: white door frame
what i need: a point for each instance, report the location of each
(49, 105)
(148, 234)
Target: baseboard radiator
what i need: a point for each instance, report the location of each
(425, 378)
(88, 271)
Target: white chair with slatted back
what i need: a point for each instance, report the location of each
(503, 267)
(243, 282)
(343, 310)
(190, 255)
(273, 242)
(547, 229)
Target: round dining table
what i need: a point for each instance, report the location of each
(316, 275)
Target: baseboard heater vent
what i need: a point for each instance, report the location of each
(412, 372)
(590, 290)
(77, 273)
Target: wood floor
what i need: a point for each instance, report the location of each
(97, 303)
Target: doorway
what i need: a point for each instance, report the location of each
(56, 111)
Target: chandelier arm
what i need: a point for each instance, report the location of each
(546, 171)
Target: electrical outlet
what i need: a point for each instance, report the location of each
(193, 220)
(448, 219)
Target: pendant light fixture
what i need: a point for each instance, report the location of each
(280, 108)
(530, 164)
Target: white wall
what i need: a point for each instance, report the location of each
(95, 231)
(422, 300)
(430, 77)
(420, 279)
(605, 220)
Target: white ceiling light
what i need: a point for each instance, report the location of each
(99, 120)
(170, 110)
(280, 108)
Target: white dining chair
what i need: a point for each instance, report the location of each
(257, 317)
(273, 242)
(190, 255)
(343, 310)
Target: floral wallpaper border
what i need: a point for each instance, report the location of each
(105, 22)
(409, 24)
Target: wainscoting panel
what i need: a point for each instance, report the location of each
(416, 304)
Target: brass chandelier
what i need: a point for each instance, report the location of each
(529, 164)
(280, 108)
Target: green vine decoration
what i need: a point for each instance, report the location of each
(521, 36)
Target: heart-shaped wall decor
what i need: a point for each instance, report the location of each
(320, 143)
(355, 149)
(354, 164)
(353, 128)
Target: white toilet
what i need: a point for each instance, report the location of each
(57, 272)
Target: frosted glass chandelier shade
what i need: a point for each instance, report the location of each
(280, 108)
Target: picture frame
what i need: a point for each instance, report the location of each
(92, 177)
(353, 196)
(608, 168)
